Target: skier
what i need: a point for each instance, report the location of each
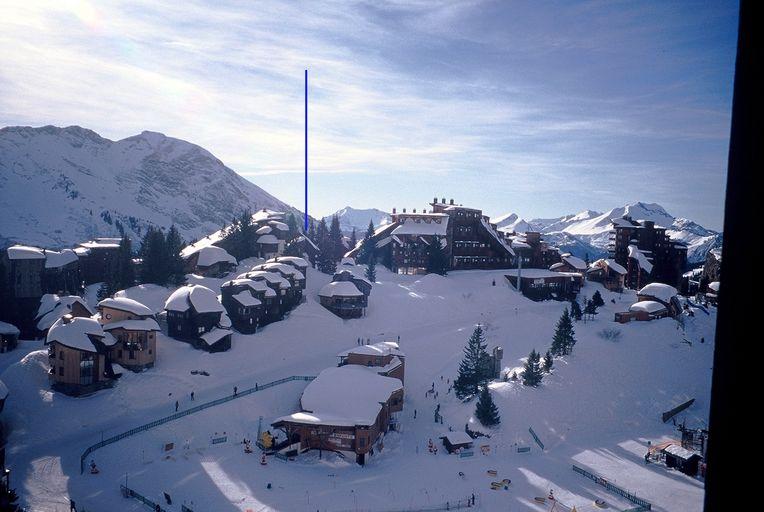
(192, 396)
(235, 390)
(414, 413)
(93, 467)
(176, 406)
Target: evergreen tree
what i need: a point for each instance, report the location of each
(563, 340)
(325, 262)
(124, 277)
(371, 270)
(575, 310)
(175, 265)
(294, 229)
(590, 310)
(353, 239)
(367, 246)
(292, 249)
(107, 289)
(335, 236)
(312, 231)
(437, 258)
(597, 299)
(485, 410)
(8, 499)
(474, 370)
(548, 362)
(532, 373)
(154, 256)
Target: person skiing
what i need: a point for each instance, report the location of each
(414, 413)
(176, 406)
(192, 396)
(235, 390)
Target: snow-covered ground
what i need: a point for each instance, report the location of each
(597, 410)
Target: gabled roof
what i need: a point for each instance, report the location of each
(340, 289)
(648, 306)
(52, 307)
(55, 259)
(212, 254)
(144, 324)
(200, 297)
(25, 252)
(258, 286)
(660, 291)
(125, 304)
(77, 332)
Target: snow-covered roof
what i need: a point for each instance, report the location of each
(52, 307)
(278, 225)
(717, 252)
(615, 266)
(24, 252)
(638, 255)
(350, 393)
(101, 243)
(457, 437)
(679, 451)
(213, 254)
(281, 267)
(267, 239)
(347, 261)
(382, 348)
(259, 286)
(496, 235)
(340, 289)
(648, 306)
(264, 230)
(145, 324)
(303, 237)
(215, 335)
(125, 304)
(271, 277)
(81, 251)
(55, 259)
(574, 261)
(246, 299)
(660, 291)
(225, 320)
(714, 286)
(540, 273)
(296, 260)
(423, 224)
(6, 328)
(266, 214)
(520, 244)
(202, 298)
(76, 334)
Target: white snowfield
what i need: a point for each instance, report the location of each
(598, 409)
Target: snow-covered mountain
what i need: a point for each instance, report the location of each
(359, 219)
(61, 186)
(587, 231)
(511, 222)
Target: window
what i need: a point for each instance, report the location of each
(87, 368)
(61, 355)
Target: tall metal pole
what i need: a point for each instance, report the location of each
(306, 150)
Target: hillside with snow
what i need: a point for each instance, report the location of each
(353, 218)
(587, 231)
(598, 409)
(66, 185)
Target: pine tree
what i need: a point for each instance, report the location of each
(474, 369)
(437, 258)
(106, 290)
(485, 409)
(335, 237)
(124, 277)
(597, 299)
(154, 256)
(575, 310)
(590, 309)
(371, 270)
(367, 246)
(548, 362)
(563, 340)
(175, 264)
(532, 373)
(325, 261)
(353, 239)
(294, 229)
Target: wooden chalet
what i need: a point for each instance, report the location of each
(288, 296)
(195, 315)
(570, 263)
(52, 307)
(347, 296)
(347, 409)
(78, 354)
(455, 442)
(609, 273)
(209, 261)
(385, 357)
(533, 251)
(541, 284)
(135, 329)
(250, 304)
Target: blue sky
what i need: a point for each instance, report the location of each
(537, 108)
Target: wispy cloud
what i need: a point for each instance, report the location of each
(522, 95)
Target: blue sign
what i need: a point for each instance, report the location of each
(218, 440)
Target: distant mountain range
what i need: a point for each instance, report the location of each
(61, 186)
(587, 232)
(352, 218)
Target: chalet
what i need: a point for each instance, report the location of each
(288, 296)
(541, 284)
(346, 409)
(361, 283)
(386, 358)
(642, 311)
(343, 299)
(654, 256)
(78, 353)
(295, 277)
(24, 268)
(532, 250)
(98, 258)
(52, 307)
(134, 327)
(9, 337)
(663, 294)
(609, 273)
(570, 263)
(209, 261)
(299, 263)
(195, 315)
(250, 304)
(62, 272)
(455, 442)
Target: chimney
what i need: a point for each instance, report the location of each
(404, 210)
(450, 202)
(393, 210)
(444, 200)
(434, 199)
(414, 210)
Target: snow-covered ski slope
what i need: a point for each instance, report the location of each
(597, 410)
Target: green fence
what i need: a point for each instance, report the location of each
(130, 493)
(643, 505)
(181, 414)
